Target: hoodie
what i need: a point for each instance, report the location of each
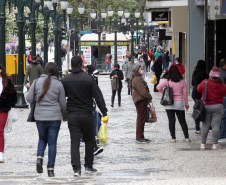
(157, 53)
(142, 63)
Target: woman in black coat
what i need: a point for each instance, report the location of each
(157, 69)
(118, 74)
(198, 76)
(8, 99)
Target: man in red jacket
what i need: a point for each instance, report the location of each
(179, 65)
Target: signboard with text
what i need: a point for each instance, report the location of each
(160, 16)
(87, 53)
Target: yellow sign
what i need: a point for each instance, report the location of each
(12, 64)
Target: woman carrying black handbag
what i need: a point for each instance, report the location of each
(178, 84)
(50, 110)
(117, 75)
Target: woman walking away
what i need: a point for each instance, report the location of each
(198, 76)
(128, 70)
(49, 111)
(176, 81)
(145, 57)
(157, 69)
(179, 65)
(141, 98)
(8, 99)
(216, 90)
(118, 74)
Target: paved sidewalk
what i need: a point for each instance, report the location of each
(123, 161)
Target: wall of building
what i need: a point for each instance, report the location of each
(195, 40)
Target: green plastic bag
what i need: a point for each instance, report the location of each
(103, 134)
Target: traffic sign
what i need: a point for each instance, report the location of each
(85, 32)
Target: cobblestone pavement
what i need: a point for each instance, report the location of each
(123, 161)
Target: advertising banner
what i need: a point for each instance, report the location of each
(160, 16)
(87, 53)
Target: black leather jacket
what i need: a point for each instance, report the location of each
(8, 99)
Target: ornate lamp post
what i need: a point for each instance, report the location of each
(33, 5)
(99, 22)
(2, 30)
(145, 24)
(137, 16)
(110, 14)
(75, 20)
(148, 35)
(19, 10)
(46, 13)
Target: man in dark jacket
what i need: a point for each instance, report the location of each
(157, 69)
(33, 71)
(81, 88)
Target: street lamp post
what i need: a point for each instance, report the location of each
(148, 35)
(46, 13)
(2, 30)
(75, 20)
(110, 14)
(145, 24)
(58, 18)
(93, 15)
(33, 23)
(115, 44)
(19, 10)
(137, 16)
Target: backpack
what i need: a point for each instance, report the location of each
(108, 58)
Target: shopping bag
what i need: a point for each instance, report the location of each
(102, 134)
(167, 97)
(12, 117)
(115, 84)
(151, 114)
(154, 80)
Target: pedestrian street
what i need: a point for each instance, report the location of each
(123, 161)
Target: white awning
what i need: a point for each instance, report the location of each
(165, 4)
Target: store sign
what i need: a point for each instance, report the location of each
(160, 16)
(103, 43)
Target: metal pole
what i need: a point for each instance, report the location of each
(148, 35)
(33, 38)
(132, 50)
(20, 95)
(2, 33)
(115, 44)
(137, 33)
(144, 35)
(45, 31)
(206, 36)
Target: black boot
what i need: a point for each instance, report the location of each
(39, 163)
(50, 171)
(112, 101)
(119, 100)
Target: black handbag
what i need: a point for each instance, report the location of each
(167, 97)
(31, 116)
(198, 113)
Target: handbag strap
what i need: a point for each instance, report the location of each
(205, 91)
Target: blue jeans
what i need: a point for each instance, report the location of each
(223, 121)
(197, 123)
(48, 133)
(108, 66)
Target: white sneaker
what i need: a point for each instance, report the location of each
(1, 157)
(222, 140)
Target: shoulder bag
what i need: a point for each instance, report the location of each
(31, 116)
(167, 97)
(198, 113)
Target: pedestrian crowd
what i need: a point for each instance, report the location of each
(75, 98)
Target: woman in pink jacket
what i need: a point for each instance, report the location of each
(179, 86)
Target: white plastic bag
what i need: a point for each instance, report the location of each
(12, 117)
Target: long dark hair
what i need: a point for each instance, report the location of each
(51, 70)
(201, 66)
(174, 74)
(6, 87)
